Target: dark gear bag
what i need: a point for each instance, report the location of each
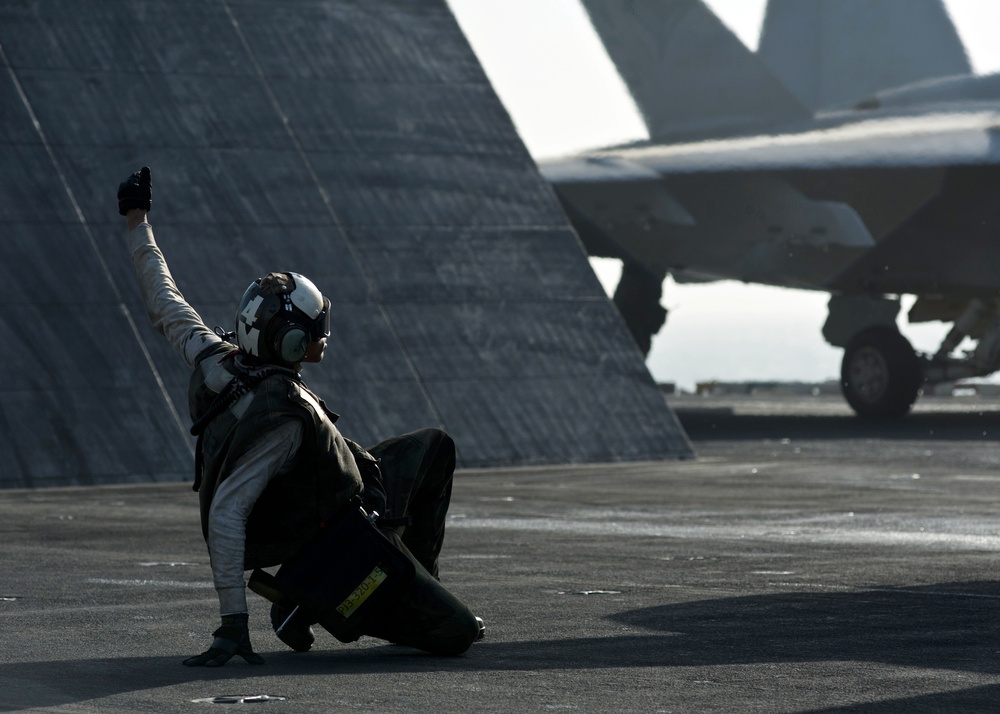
(342, 579)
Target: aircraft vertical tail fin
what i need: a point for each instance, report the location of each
(834, 53)
(687, 72)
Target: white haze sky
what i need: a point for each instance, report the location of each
(564, 95)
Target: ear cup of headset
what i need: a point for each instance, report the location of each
(291, 344)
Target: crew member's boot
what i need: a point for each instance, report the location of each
(292, 627)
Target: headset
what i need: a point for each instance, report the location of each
(291, 340)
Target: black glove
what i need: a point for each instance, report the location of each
(136, 191)
(233, 638)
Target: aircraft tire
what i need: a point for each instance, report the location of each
(880, 374)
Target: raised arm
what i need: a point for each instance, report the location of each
(166, 307)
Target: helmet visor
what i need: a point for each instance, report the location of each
(320, 327)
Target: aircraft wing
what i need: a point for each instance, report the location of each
(793, 209)
(960, 138)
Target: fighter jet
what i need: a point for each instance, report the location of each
(855, 152)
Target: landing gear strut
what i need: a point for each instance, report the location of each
(638, 300)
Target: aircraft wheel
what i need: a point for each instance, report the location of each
(880, 374)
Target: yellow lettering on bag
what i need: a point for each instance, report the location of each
(362, 592)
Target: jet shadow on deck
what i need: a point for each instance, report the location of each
(950, 626)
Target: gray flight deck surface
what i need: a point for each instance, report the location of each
(358, 142)
(807, 561)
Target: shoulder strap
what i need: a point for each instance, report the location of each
(245, 380)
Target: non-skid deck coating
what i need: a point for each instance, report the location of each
(355, 141)
(801, 564)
